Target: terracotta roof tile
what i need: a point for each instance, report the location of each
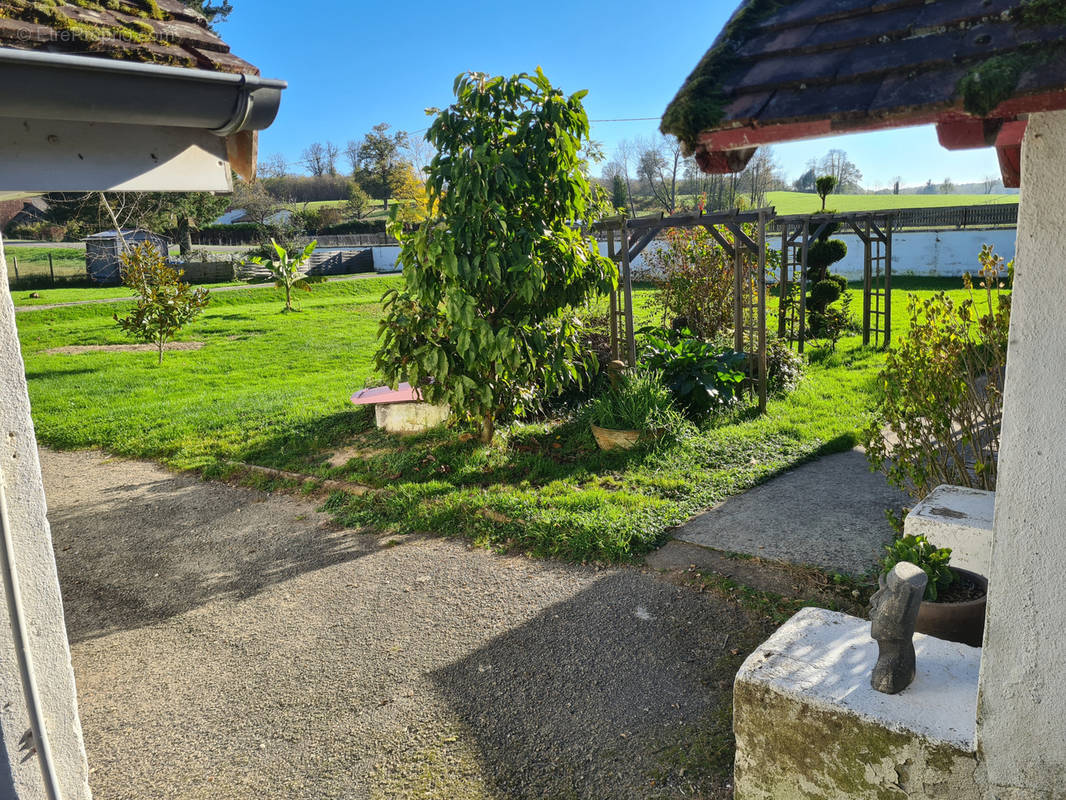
(160, 32)
(855, 64)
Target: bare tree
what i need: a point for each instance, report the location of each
(760, 176)
(659, 167)
(418, 152)
(895, 184)
(274, 166)
(837, 164)
(947, 187)
(330, 153)
(314, 159)
(989, 183)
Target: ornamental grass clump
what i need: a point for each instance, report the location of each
(938, 420)
(637, 401)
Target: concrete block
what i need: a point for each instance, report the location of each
(959, 518)
(810, 727)
(407, 419)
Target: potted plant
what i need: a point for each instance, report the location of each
(637, 405)
(954, 604)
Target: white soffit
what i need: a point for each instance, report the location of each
(60, 156)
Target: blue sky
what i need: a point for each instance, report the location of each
(351, 65)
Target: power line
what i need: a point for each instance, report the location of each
(627, 119)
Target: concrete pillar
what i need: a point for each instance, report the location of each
(20, 776)
(1021, 729)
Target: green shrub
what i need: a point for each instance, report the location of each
(638, 401)
(839, 280)
(931, 560)
(693, 279)
(702, 376)
(943, 390)
(822, 254)
(823, 293)
(784, 366)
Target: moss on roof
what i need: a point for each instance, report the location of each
(700, 102)
(127, 30)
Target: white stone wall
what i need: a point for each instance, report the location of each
(945, 253)
(1022, 709)
(40, 594)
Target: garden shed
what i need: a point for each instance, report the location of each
(989, 74)
(115, 108)
(104, 250)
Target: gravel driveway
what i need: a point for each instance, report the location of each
(233, 644)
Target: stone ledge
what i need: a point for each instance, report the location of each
(959, 518)
(808, 724)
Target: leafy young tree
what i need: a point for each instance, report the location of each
(377, 160)
(286, 271)
(825, 185)
(358, 201)
(485, 317)
(165, 303)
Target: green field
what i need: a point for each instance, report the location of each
(802, 202)
(272, 389)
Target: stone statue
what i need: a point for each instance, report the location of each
(893, 614)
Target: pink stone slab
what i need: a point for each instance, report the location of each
(383, 394)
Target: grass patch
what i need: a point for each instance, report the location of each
(272, 389)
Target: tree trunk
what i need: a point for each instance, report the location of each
(162, 342)
(488, 428)
(184, 236)
(288, 297)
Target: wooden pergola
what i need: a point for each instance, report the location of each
(627, 238)
(874, 230)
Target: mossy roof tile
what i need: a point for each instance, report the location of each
(150, 31)
(860, 64)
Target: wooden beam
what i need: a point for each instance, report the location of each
(742, 237)
(969, 133)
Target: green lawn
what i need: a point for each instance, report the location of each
(272, 389)
(802, 202)
(68, 262)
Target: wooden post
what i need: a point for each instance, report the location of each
(782, 286)
(762, 311)
(15, 263)
(888, 284)
(627, 287)
(614, 298)
(867, 286)
(52, 270)
(738, 296)
(803, 285)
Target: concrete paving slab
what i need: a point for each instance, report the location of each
(828, 513)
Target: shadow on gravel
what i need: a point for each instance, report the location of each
(143, 551)
(619, 692)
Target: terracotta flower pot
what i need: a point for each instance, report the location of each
(611, 439)
(962, 622)
(956, 622)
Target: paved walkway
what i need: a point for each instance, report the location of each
(233, 644)
(829, 513)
